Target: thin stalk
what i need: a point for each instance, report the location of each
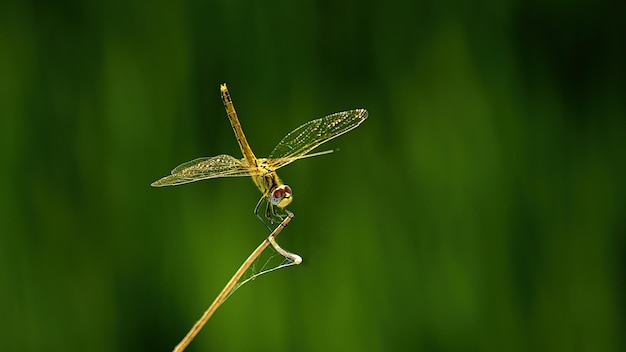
(233, 281)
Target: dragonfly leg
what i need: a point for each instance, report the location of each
(269, 212)
(279, 215)
(256, 212)
(258, 204)
(271, 215)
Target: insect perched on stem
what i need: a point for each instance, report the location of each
(295, 145)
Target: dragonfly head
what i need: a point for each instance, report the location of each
(281, 196)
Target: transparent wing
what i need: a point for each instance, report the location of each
(307, 137)
(205, 168)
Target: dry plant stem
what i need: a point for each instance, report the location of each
(233, 281)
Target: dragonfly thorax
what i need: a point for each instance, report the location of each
(277, 193)
(266, 179)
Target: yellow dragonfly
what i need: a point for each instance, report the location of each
(295, 145)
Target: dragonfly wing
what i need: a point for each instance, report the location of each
(307, 137)
(203, 169)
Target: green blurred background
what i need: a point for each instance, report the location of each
(481, 207)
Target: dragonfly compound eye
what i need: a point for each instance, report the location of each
(281, 196)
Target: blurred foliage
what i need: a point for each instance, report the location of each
(479, 208)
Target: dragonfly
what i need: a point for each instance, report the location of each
(294, 146)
